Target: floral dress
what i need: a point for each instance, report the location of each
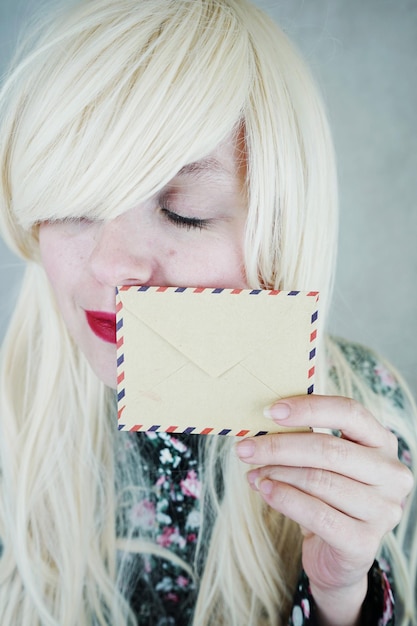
(172, 515)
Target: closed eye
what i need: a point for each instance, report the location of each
(185, 222)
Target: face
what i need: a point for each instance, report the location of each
(188, 235)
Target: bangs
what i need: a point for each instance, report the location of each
(118, 97)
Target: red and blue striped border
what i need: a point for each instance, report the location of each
(121, 391)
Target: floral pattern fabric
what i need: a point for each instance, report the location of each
(171, 515)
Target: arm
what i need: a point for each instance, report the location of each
(345, 492)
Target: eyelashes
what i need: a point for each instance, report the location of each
(185, 222)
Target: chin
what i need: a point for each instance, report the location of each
(109, 380)
(107, 375)
(102, 360)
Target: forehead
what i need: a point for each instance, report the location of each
(227, 161)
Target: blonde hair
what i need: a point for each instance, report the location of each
(104, 106)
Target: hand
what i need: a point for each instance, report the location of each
(345, 492)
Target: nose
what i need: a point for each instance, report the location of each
(122, 255)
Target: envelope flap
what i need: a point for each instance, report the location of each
(214, 331)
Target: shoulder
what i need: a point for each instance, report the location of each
(367, 369)
(358, 372)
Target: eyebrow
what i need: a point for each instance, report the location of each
(207, 166)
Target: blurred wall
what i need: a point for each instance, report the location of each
(364, 55)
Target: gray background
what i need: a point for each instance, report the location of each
(364, 54)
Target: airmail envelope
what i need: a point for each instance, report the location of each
(207, 361)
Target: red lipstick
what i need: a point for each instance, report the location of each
(102, 324)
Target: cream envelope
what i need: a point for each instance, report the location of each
(207, 361)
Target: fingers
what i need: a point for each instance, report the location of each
(335, 413)
(354, 499)
(357, 476)
(371, 466)
(334, 527)
(317, 450)
(374, 461)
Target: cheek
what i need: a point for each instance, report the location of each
(49, 252)
(60, 258)
(227, 256)
(217, 263)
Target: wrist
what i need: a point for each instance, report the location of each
(340, 606)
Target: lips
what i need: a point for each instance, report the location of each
(103, 325)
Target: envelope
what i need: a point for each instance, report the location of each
(207, 361)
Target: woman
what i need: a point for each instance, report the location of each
(181, 143)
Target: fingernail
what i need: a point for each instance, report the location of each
(245, 449)
(253, 480)
(277, 411)
(265, 486)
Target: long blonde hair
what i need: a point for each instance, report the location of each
(105, 104)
